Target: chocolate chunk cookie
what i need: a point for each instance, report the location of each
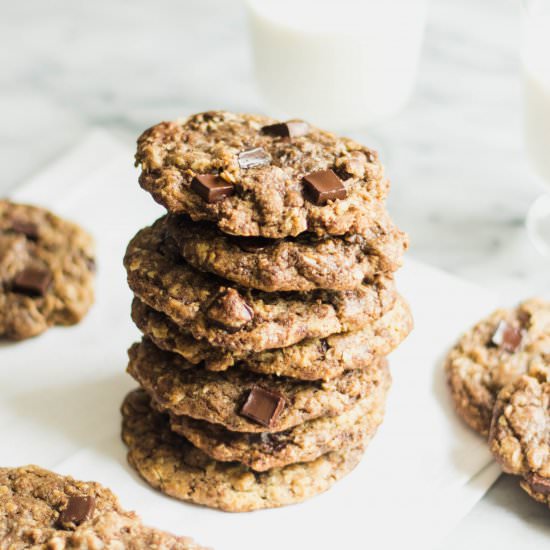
(222, 397)
(239, 319)
(520, 434)
(40, 509)
(311, 359)
(46, 271)
(168, 462)
(303, 443)
(494, 353)
(303, 263)
(232, 170)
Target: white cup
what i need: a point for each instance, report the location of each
(341, 64)
(535, 55)
(536, 83)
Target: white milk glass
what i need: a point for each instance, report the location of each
(536, 83)
(342, 64)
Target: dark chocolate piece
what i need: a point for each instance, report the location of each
(212, 188)
(32, 281)
(29, 229)
(91, 264)
(288, 129)
(230, 310)
(507, 337)
(251, 158)
(324, 186)
(78, 510)
(263, 406)
(539, 484)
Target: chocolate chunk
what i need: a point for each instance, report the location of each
(274, 442)
(212, 188)
(29, 229)
(255, 244)
(253, 157)
(91, 265)
(263, 406)
(230, 310)
(32, 281)
(324, 186)
(507, 337)
(539, 484)
(78, 510)
(288, 129)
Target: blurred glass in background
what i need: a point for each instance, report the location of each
(535, 57)
(341, 64)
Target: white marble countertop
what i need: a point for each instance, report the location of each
(461, 185)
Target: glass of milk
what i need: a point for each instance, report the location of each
(535, 57)
(342, 64)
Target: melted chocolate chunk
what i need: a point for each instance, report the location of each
(29, 229)
(323, 186)
(230, 310)
(263, 406)
(539, 484)
(78, 510)
(288, 129)
(274, 442)
(212, 188)
(32, 281)
(91, 264)
(255, 244)
(251, 158)
(507, 337)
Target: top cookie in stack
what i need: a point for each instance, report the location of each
(274, 263)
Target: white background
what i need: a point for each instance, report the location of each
(461, 186)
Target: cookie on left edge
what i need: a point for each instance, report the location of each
(43, 510)
(46, 271)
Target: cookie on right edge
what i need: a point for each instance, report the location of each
(494, 353)
(520, 434)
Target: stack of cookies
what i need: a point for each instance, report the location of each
(267, 303)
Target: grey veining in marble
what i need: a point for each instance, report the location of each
(461, 184)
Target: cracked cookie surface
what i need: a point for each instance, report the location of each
(311, 359)
(43, 510)
(267, 199)
(300, 264)
(218, 397)
(242, 319)
(494, 353)
(168, 462)
(302, 443)
(520, 434)
(46, 271)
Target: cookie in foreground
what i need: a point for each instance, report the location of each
(302, 263)
(236, 171)
(494, 353)
(46, 271)
(239, 319)
(302, 443)
(310, 359)
(41, 509)
(220, 397)
(168, 462)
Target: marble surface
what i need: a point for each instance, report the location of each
(461, 183)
